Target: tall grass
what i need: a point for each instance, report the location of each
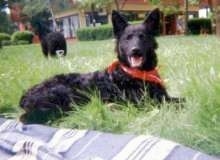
(189, 66)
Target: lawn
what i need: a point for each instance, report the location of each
(189, 66)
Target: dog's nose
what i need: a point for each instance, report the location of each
(135, 50)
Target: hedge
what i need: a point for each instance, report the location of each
(4, 37)
(100, 33)
(22, 36)
(95, 33)
(200, 25)
(6, 43)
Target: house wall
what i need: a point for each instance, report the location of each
(138, 6)
(69, 22)
(68, 25)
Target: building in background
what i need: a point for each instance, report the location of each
(172, 17)
(70, 19)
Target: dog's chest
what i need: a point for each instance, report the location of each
(125, 81)
(131, 88)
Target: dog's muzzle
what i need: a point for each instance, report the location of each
(135, 58)
(60, 52)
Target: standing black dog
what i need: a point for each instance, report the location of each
(131, 78)
(53, 44)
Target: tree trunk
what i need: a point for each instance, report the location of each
(53, 17)
(210, 3)
(93, 14)
(217, 18)
(116, 5)
(186, 16)
(216, 4)
(164, 24)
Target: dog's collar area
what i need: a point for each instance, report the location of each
(149, 76)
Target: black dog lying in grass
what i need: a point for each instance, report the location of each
(130, 78)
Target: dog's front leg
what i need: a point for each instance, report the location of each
(160, 94)
(175, 99)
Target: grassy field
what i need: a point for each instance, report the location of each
(189, 66)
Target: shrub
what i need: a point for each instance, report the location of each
(95, 33)
(4, 36)
(200, 25)
(100, 33)
(22, 36)
(130, 16)
(6, 43)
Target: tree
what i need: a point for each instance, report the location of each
(186, 16)
(216, 3)
(154, 2)
(175, 3)
(3, 4)
(6, 24)
(117, 5)
(37, 13)
(61, 5)
(187, 2)
(93, 5)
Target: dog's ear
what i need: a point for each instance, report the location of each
(119, 23)
(152, 22)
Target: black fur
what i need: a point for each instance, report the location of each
(52, 43)
(61, 91)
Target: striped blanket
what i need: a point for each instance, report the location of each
(37, 142)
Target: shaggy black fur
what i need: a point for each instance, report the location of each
(53, 44)
(132, 41)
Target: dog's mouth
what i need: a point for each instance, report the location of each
(135, 61)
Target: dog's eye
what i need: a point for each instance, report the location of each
(129, 37)
(141, 36)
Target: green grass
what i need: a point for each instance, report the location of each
(189, 66)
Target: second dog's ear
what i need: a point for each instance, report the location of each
(119, 23)
(152, 22)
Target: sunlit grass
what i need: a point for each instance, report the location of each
(189, 66)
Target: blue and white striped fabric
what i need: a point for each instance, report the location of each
(37, 142)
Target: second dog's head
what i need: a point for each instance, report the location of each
(135, 44)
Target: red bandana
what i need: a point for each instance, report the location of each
(149, 76)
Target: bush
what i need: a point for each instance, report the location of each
(100, 33)
(6, 43)
(200, 25)
(4, 36)
(22, 36)
(95, 33)
(130, 16)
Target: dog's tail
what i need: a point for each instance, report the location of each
(60, 53)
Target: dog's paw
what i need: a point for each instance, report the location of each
(177, 100)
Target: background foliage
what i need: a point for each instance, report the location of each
(198, 25)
